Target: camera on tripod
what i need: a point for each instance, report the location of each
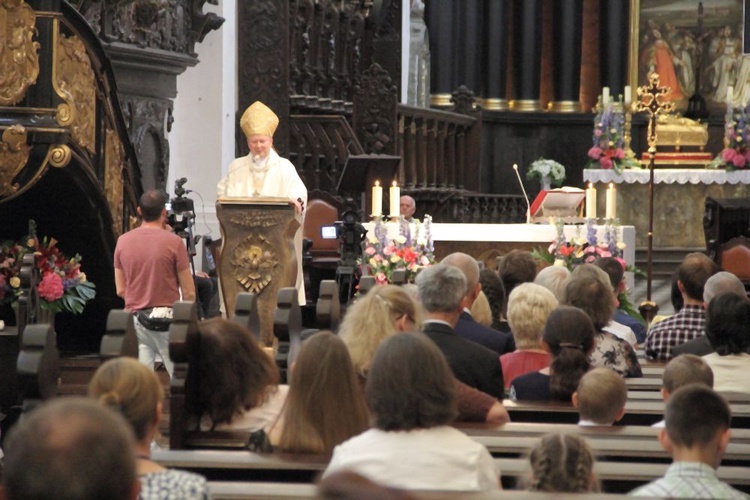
(183, 207)
(350, 233)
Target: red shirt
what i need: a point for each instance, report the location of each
(518, 363)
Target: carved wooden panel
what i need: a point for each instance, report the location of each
(14, 153)
(74, 83)
(375, 111)
(114, 161)
(19, 59)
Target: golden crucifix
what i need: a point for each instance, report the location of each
(655, 100)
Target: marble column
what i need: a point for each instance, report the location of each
(527, 54)
(567, 29)
(496, 55)
(613, 45)
(468, 58)
(439, 19)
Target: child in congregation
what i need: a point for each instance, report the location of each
(563, 463)
(698, 423)
(681, 371)
(601, 397)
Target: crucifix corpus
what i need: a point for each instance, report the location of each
(655, 100)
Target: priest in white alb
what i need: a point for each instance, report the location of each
(264, 173)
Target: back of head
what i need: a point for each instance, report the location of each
(131, 388)
(614, 269)
(233, 373)
(554, 278)
(722, 282)
(494, 290)
(371, 320)
(71, 448)
(728, 324)
(151, 204)
(562, 463)
(468, 265)
(569, 334)
(593, 296)
(410, 385)
(441, 288)
(517, 267)
(686, 369)
(325, 405)
(693, 272)
(602, 394)
(695, 415)
(529, 306)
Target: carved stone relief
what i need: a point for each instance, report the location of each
(147, 120)
(14, 153)
(74, 83)
(19, 60)
(254, 261)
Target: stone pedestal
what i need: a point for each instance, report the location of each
(257, 254)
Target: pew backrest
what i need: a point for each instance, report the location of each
(119, 338)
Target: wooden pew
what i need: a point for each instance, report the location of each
(184, 344)
(366, 283)
(119, 338)
(246, 313)
(38, 365)
(287, 328)
(328, 307)
(618, 477)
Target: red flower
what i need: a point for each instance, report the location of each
(51, 287)
(566, 250)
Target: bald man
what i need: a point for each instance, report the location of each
(467, 327)
(408, 207)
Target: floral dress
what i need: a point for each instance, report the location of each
(173, 484)
(612, 352)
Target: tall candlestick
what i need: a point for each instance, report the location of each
(605, 96)
(611, 201)
(395, 195)
(377, 199)
(628, 96)
(591, 202)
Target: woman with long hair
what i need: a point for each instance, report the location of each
(325, 405)
(568, 336)
(132, 389)
(237, 383)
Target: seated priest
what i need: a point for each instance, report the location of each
(264, 173)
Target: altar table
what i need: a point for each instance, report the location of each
(679, 199)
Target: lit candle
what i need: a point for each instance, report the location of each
(591, 202)
(605, 96)
(628, 97)
(611, 201)
(395, 195)
(377, 199)
(730, 95)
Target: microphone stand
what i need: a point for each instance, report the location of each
(523, 189)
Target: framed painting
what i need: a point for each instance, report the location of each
(695, 47)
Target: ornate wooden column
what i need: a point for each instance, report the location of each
(568, 24)
(527, 19)
(439, 19)
(613, 44)
(496, 55)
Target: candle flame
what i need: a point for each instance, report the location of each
(611, 185)
(395, 184)
(590, 185)
(377, 183)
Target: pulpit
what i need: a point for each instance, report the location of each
(257, 253)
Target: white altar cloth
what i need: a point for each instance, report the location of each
(668, 176)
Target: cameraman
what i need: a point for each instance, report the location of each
(151, 267)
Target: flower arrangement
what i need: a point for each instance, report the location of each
(736, 153)
(547, 169)
(411, 252)
(607, 151)
(63, 286)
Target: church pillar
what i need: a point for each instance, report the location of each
(496, 57)
(469, 56)
(527, 18)
(439, 19)
(568, 24)
(613, 42)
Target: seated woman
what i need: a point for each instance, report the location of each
(385, 311)
(237, 382)
(325, 405)
(529, 306)
(411, 396)
(132, 389)
(569, 337)
(563, 463)
(494, 290)
(728, 331)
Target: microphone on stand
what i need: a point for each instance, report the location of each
(528, 205)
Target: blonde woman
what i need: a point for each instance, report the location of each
(131, 388)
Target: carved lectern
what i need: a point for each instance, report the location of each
(257, 253)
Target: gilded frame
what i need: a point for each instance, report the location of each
(646, 14)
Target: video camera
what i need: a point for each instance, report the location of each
(183, 207)
(351, 233)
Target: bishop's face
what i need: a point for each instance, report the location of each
(260, 145)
